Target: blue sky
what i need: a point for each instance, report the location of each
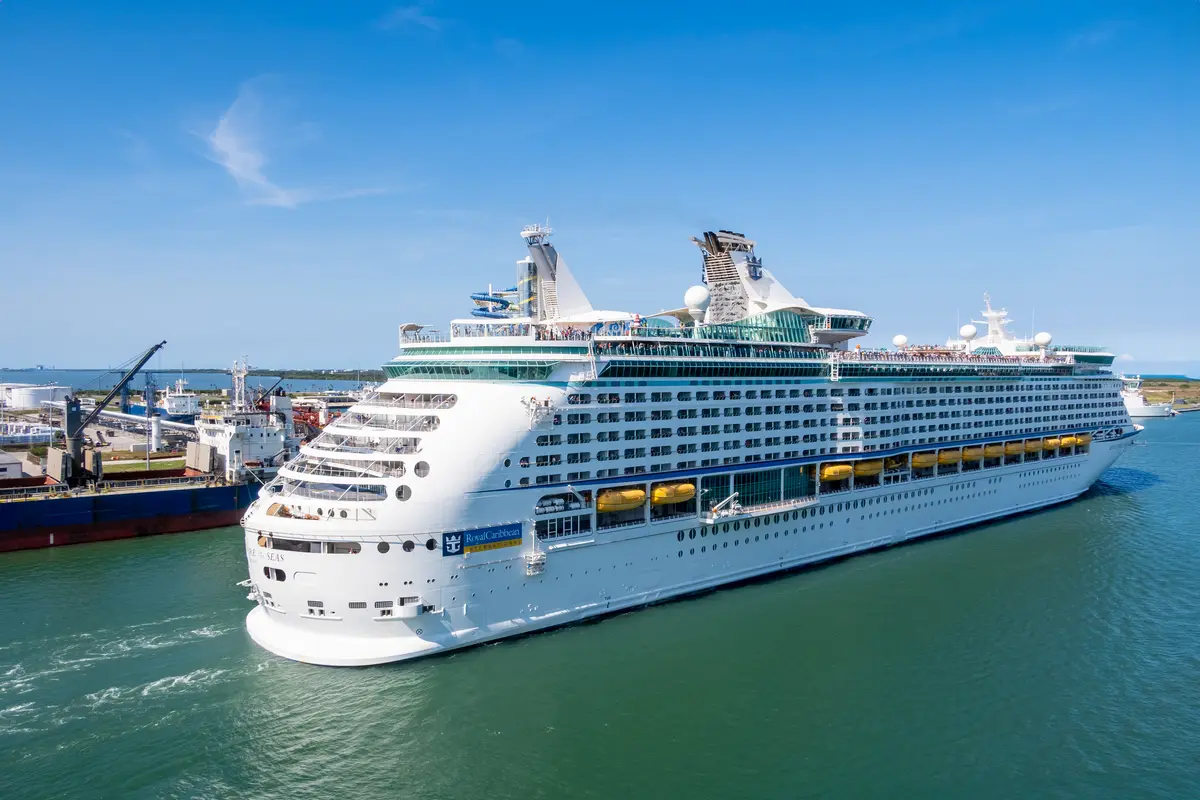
(294, 180)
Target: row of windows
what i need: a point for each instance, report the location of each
(753, 394)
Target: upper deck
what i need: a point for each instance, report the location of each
(741, 322)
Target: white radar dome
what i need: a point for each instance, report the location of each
(968, 332)
(900, 340)
(697, 298)
(1043, 339)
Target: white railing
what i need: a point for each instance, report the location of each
(436, 402)
(424, 337)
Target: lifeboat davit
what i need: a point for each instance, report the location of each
(667, 493)
(923, 460)
(866, 468)
(993, 450)
(1014, 448)
(949, 457)
(972, 453)
(836, 472)
(895, 462)
(620, 499)
(1050, 444)
(1033, 445)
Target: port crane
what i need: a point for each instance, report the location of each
(76, 421)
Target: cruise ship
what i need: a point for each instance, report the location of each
(548, 462)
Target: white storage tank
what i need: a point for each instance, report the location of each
(32, 397)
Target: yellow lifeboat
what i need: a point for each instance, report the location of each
(949, 457)
(1033, 445)
(1084, 439)
(972, 453)
(895, 462)
(620, 499)
(1014, 448)
(1050, 444)
(836, 472)
(993, 450)
(924, 460)
(866, 468)
(1068, 441)
(667, 493)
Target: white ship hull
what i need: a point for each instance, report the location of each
(1148, 410)
(487, 596)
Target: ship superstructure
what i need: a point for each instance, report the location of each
(548, 461)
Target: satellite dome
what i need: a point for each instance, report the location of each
(1043, 339)
(900, 340)
(968, 332)
(697, 298)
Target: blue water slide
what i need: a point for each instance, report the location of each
(483, 298)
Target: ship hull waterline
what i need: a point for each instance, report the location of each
(1043, 483)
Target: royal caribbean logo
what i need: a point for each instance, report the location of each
(480, 539)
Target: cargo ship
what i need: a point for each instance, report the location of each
(238, 448)
(45, 513)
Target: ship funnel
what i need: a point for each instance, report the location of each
(552, 290)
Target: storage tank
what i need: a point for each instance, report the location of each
(32, 397)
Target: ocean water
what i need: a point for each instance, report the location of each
(1052, 655)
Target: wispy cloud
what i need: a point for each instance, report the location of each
(237, 145)
(1125, 357)
(1093, 36)
(403, 16)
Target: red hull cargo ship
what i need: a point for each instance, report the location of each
(37, 512)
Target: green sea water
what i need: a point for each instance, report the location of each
(1052, 655)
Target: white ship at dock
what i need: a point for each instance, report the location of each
(1136, 403)
(551, 462)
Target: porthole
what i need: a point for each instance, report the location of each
(508, 462)
(726, 527)
(422, 469)
(757, 522)
(431, 544)
(679, 536)
(692, 533)
(383, 547)
(403, 492)
(507, 484)
(320, 512)
(737, 526)
(776, 519)
(408, 546)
